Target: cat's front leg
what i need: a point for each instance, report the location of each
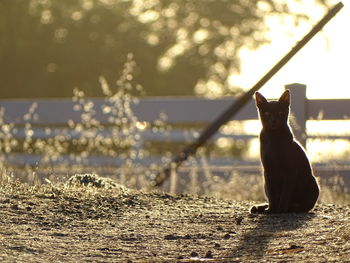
(287, 191)
(272, 192)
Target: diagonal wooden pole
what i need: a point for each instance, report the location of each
(159, 178)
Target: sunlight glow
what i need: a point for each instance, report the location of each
(224, 142)
(322, 64)
(326, 127)
(320, 149)
(141, 125)
(200, 36)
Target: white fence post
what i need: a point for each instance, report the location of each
(299, 110)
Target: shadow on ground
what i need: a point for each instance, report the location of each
(255, 242)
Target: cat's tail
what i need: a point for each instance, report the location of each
(258, 209)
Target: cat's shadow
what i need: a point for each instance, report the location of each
(255, 241)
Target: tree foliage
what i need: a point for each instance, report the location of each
(48, 47)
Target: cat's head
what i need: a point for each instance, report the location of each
(273, 114)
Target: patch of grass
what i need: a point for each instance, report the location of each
(239, 187)
(78, 186)
(124, 129)
(94, 180)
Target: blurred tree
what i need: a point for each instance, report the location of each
(182, 47)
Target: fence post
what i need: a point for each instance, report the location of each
(298, 109)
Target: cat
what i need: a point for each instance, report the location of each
(289, 184)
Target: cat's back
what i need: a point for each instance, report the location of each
(298, 156)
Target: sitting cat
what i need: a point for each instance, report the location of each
(290, 186)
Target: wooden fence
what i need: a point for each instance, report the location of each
(57, 113)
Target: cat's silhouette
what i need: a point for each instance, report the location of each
(290, 186)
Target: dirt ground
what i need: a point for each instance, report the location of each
(86, 224)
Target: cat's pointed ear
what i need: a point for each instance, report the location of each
(285, 97)
(259, 99)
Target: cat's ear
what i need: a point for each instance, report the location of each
(285, 97)
(259, 99)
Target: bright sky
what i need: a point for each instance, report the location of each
(323, 64)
